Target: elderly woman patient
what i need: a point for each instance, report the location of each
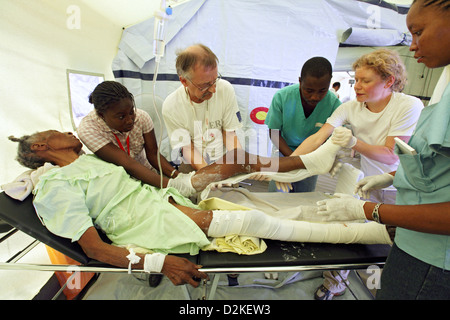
(85, 194)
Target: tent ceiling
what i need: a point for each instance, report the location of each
(124, 13)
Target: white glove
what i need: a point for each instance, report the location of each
(343, 137)
(337, 165)
(342, 207)
(183, 184)
(366, 184)
(283, 186)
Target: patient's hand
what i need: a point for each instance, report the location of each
(182, 271)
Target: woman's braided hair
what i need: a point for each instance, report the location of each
(108, 92)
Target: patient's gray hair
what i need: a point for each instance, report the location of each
(25, 156)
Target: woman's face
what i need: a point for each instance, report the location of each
(120, 115)
(430, 29)
(56, 140)
(370, 86)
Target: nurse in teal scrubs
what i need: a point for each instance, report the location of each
(299, 110)
(418, 266)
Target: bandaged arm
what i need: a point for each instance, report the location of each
(178, 270)
(314, 141)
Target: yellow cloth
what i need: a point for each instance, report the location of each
(237, 244)
(233, 243)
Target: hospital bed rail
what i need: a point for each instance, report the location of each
(279, 256)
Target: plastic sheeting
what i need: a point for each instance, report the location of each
(261, 46)
(375, 37)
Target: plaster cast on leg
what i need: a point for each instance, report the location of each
(255, 223)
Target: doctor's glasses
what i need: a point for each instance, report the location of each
(208, 85)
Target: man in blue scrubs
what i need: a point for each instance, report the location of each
(299, 110)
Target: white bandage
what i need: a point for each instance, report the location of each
(321, 160)
(133, 258)
(154, 262)
(255, 223)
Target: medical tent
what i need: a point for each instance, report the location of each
(261, 46)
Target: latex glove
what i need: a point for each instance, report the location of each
(283, 186)
(342, 207)
(366, 184)
(337, 165)
(183, 184)
(343, 137)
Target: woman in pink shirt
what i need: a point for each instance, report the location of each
(117, 132)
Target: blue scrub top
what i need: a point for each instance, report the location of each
(425, 178)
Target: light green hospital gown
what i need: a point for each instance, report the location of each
(91, 192)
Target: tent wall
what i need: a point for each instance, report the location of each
(261, 46)
(421, 80)
(40, 39)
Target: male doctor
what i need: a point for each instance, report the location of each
(202, 115)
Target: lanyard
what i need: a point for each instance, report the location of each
(200, 125)
(120, 144)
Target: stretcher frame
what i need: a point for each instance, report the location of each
(280, 256)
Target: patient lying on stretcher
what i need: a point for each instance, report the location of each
(86, 194)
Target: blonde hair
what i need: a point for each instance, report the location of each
(386, 63)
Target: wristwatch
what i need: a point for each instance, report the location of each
(375, 214)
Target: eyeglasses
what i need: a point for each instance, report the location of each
(207, 86)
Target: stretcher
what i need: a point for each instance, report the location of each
(279, 256)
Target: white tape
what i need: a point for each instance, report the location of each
(133, 258)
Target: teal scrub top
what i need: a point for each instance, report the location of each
(425, 178)
(286, 114)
